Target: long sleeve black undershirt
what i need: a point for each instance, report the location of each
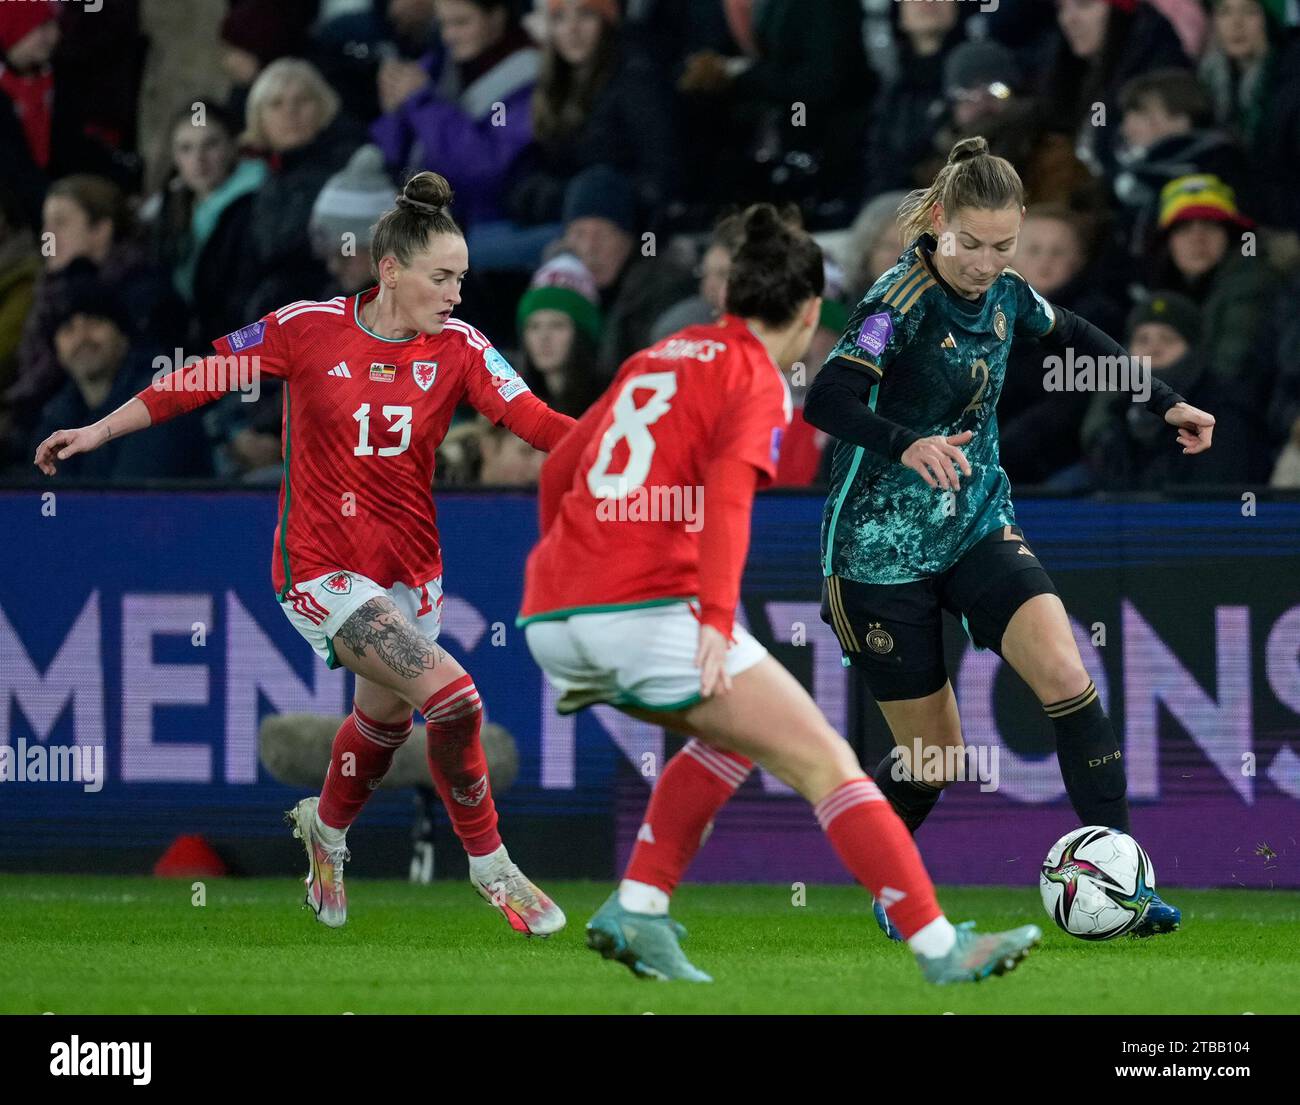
(1075, 331)
(837, 404)
(837, 400)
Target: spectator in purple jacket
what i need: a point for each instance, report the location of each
(469, 117)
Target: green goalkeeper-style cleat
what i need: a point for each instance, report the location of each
(977, 955)
(647, 944)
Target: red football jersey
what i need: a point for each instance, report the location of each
(801, 452)
(363, 416)
(627, 532)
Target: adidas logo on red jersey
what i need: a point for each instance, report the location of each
(341, 369)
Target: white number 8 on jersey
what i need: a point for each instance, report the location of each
(631, 422)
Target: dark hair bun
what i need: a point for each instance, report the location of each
(422, 212)
(775, 268)
(968, 148)
(762, 226)
(426, 193)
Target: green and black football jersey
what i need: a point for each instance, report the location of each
(939, 361)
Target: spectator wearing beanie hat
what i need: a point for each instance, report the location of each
(559, 324)
(978, 77)
(1122, 452)
(1204, 254)
(1252, 73)
(28, 36)
(982, 86)
(600, 228)
(344, 216)
(103, 366)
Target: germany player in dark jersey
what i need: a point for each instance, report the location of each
(919, 518)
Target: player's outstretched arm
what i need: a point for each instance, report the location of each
(1075, 331)
(559, 467)
(529, 418)
(130, 416)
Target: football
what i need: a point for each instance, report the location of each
(1096, 882)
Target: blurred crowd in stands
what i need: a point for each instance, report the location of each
(174, 169)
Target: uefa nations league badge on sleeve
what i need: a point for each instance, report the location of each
(249, 336)
(509, 382)
(875, 333)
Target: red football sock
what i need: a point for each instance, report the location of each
(874, 844)
(453, 717)
(695, 784)
(362, 752)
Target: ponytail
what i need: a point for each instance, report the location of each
(973, 177)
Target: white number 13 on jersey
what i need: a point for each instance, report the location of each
(631, 422)
(399, 422)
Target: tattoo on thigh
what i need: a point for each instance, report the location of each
(380, 625)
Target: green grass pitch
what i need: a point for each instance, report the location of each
(139, 945)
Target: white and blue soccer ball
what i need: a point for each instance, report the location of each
(1097, 882)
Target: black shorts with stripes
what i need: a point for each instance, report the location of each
(892, 633)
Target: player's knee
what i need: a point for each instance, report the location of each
(1061, 676)
(398, 712)
(936, 763)
(453, 713)
(818, 761)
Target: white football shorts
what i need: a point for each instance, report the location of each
(642, 656)
(319, 607)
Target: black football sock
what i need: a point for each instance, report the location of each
(1092, 763)
(912, 800)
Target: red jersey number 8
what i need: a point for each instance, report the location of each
(631, 423)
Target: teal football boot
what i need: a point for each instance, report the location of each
(649, 945)
(977, 955)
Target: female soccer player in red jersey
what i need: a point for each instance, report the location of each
(630, 594)
(370, 385)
